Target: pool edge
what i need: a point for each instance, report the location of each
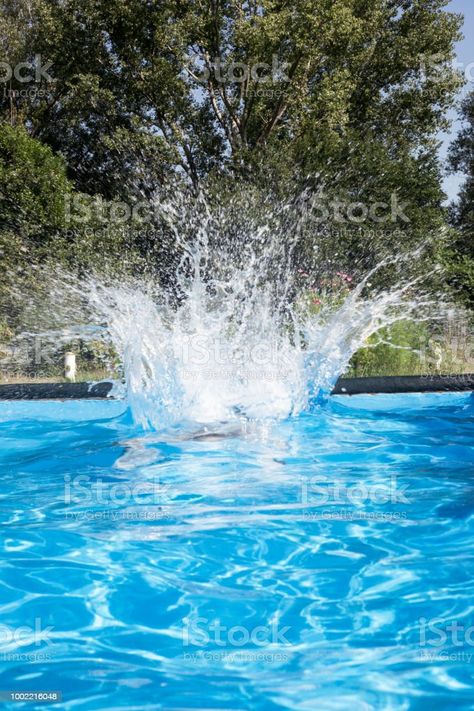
(345, 386)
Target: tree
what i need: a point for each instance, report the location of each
(224, 84)
(33, 187)
(343, 97)
(461, 252)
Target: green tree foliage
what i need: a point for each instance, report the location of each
(461, 252)
(344, 97)
(33, 187)
(37, 226)
(150, 87)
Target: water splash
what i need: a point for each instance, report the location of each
(251, 323)
(218, 359)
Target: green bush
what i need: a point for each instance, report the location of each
(33, 185)
(414, 348)
(396, 350)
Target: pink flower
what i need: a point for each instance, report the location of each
(344, 276)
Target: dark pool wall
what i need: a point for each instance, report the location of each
(344, 386)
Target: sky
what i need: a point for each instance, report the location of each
(465, 54)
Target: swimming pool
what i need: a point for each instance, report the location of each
(322, 562)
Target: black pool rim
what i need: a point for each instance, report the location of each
(344, 386)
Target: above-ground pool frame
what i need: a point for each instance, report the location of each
(344, 386)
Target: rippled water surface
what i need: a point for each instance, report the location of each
(323, 562)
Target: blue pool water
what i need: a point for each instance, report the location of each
(325, 562)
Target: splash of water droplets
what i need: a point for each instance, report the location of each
(237, 332)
